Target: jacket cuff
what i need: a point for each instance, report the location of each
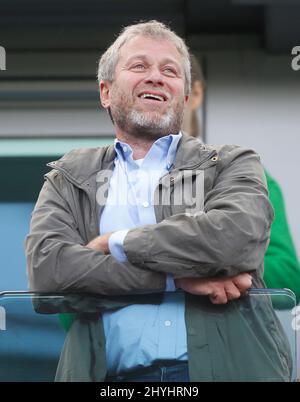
(136, 245)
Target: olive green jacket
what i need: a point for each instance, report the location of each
(222, 231)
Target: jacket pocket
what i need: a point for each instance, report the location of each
(188, 189)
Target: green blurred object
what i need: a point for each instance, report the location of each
(66, 320)
(282, 268)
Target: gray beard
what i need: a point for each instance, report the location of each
(141, 124)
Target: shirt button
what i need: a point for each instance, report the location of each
(125, 149)
(168, 323)
(145, 204)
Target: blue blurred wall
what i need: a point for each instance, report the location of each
(14, 225)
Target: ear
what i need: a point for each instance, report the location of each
(104, 89)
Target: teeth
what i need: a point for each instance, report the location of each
(151, 96)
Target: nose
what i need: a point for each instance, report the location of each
(155, 77)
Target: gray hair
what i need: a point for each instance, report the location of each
(153, 29)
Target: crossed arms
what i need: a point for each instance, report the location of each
(219, 290)
(212, 254)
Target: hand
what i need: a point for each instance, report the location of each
(219, 290)
(100, 243)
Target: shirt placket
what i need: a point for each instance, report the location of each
(167, 327)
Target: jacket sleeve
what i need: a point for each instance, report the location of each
(58, 261)
(229, 237)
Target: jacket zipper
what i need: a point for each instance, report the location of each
(157, 188)
(211, 155)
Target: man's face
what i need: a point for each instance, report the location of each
(147, 94)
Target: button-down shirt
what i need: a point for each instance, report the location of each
(138, 335)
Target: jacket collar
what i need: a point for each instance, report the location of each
(192, 152)
(80, 165)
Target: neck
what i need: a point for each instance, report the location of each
(140, 145)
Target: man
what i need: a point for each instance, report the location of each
(188, 237)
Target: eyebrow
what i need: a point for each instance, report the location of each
(144, 57)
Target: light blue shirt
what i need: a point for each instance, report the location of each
(138, 335)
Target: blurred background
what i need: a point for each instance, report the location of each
(49, 100)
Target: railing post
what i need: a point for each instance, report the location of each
(2, 319)
(2, 58)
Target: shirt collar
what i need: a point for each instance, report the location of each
(163, 149)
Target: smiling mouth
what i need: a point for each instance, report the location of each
(153, 97)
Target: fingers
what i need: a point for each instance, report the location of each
(219, 291)
(224, 294)
(219, 296)
(232, 291)
(242, 281)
